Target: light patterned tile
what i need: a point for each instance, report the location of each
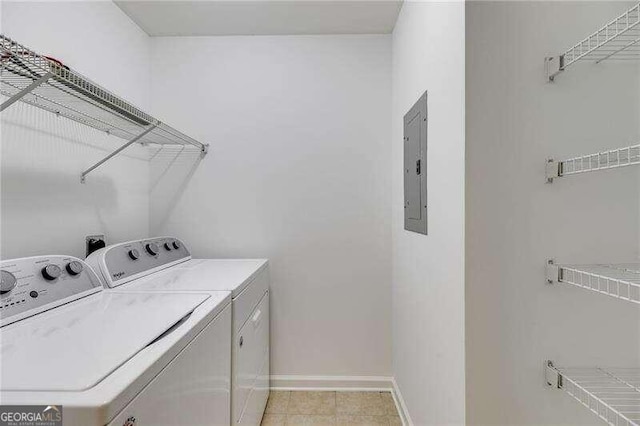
(394, 420)
(388, 404)
(278, 402)
(307, 419)
(312, 403)
(351, 420)
(359, 403)
(274, 420)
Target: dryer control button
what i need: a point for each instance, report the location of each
(134, 254)
(7, 282)
(74, 267)
(51, 272)
(152, 249)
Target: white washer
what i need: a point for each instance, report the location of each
(111, 358)
(248, 281)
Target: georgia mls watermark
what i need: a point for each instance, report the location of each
(30, 415)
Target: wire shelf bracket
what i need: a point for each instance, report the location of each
(621, 281)
(612, 159)
(116, 152)
(613, 394)
(25, 91)
(619, 39)
(47, 83)
(552, 272)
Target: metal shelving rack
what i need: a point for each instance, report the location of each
(611, 159)
(611, 393)
(617, 40)
(46, 83)
(621, 281)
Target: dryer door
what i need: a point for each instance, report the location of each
(251, 366)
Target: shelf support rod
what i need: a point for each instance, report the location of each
(149, 128)
(6, 104)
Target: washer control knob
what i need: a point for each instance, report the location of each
(74, 267)
(176, 245)
(51, 272)
(152, 249)
(167, 247)
(7, 282)
(134, 254)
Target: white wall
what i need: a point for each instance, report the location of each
(428, 271)
(298, 173)
(515, 120)
(44, 208)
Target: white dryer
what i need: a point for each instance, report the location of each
(119, 266)
(110, 358)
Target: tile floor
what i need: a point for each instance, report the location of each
(330, 408)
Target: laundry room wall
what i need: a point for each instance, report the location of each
(298, 172)
(428, 270)
(515, 222)
(44, 207)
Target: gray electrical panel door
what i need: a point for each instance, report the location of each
(415, 167)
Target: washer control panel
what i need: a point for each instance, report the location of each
(121, 263)
(34, 284)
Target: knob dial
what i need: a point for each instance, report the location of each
(152, 249)
(176, 245)
(167, 247)
(134, 254)
(7, 282)
(74, 267)
(51, 272)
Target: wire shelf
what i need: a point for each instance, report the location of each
(48, 84)
(619, 39)
(621, 281)
(612, 159)
(613, 394)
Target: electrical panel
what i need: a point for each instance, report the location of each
(415, 167)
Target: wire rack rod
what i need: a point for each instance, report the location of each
(618, 39)
(619, 157)
(612, 394)
(621, 281)
(48, 84)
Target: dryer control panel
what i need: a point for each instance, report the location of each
(35, 284)
(120, 263)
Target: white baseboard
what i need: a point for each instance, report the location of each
(400, 405)
(332, 383)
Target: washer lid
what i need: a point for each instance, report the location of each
(74, 347)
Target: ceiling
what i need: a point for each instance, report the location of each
(263, 17)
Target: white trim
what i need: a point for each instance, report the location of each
(332, 383)
(400, 404)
